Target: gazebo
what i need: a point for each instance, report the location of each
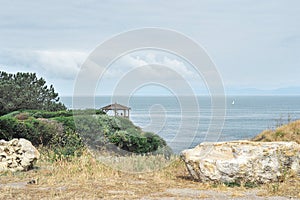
(117, 107)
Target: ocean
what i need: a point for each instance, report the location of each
(182, 128)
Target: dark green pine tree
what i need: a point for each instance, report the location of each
(22, 91)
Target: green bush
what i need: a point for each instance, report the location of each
(37, 131)
(88, 112)
(137, 142)
(154, 140)
(42, 132)
(67, 145)
(125, 124)
(47, 114)
(22, 116)
(65, 134)
(109, 124)
(10, 128)
(67, 122)
(11, 114)
(279, 134)
(91, 130)
(54, 114)
(103, 129)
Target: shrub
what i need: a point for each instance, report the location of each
(109, 124)
(67, 122)
(125, 124)
(10, 128)
(11, 114)
(279, 134)
(103, 129)
(88, 112)
(65, 135)
(42, 132)
(54, 114)
(136, 142)
(154, 140)
(90, 130)
(22, 116)
(47, 114)
(66, 145)
(37, 131)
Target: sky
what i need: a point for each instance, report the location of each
(254, 44)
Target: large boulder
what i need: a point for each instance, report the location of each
(242, 161)
(17, 155)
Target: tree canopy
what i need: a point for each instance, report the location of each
(26, 91)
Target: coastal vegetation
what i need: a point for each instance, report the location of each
(286, 132)
(30, 109)
(67, 169)
(86, 177)
(66, 135)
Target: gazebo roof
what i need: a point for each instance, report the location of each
(115, 106)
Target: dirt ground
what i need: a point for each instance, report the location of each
(86, 178)
(134, 190)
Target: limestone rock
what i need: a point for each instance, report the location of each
(17, 155)
(245, 161)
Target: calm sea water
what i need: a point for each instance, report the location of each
(247, 117)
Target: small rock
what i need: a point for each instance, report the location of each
(31, 182)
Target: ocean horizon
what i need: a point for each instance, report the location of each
(246, 116)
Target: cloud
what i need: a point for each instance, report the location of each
(254, 43)
(158, 67)
(131, 61)
(51, 64)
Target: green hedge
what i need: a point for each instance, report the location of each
(42, 132)
(38, 132)
(104, 129)
(65, 134)
(136, 142)
(53, 114)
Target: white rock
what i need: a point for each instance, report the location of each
(246, 161)
(17, 155)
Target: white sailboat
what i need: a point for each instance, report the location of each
(232, 103)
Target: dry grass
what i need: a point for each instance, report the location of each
(288, 132)
(86, 178)
(289, 187)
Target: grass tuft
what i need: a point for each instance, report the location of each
(288, 132)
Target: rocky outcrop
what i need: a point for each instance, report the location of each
(242, 161)
(17, 155)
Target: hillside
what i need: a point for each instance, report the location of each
(68, 132)
(84, 177)
(287, 132)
